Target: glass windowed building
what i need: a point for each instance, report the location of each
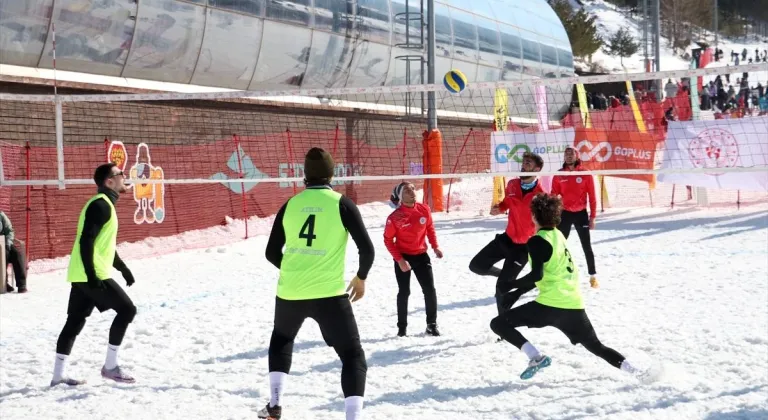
(279, 44)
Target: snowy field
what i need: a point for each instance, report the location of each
(684, 289)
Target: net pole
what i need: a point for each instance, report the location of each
(405, 149)
(60, 143)
(672, 204)
(290, 157)
(28, 209)
(453, 171)
(431, 107)
(236, 140)
(335, 139)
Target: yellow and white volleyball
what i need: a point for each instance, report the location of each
(455, 81)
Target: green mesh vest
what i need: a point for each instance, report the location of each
(103, 246)
(559, 287)
(315, 247)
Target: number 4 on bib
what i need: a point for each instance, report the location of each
(308, 230)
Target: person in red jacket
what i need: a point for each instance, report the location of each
(575, 191)
(510, 246)
(404, 235)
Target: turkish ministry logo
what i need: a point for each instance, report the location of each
(714, 148)
(599, 153)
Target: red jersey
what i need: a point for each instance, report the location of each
(574, 191)
(406, 230)
(520, 226)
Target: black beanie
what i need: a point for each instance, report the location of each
(318, 166)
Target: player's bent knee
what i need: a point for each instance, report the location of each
(497, 324)
(73, 326)
(355, 357)
(127, 313)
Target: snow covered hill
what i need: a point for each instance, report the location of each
(610, 19)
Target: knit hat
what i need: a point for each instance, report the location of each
(397, 193)
(318, 166)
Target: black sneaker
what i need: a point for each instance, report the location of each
(401, 332)
(270, 413)
(432, 330)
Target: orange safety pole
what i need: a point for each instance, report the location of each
(433, 164)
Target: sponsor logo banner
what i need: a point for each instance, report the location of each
(717, 145)
(599, 149)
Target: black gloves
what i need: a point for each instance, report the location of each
(128, 276)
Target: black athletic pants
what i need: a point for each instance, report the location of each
(580, 220)
(515, 258)
(574, 323)
(421, 266)
(15, 257)
(82, 300)
(337, 324)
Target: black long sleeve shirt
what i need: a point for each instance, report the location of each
(352, 221)
(97, 215)
(540, 251)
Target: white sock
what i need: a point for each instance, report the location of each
(111, 362)
(354, 407)
(276, 380)
(58, 367)
(627, 367)
(530, 351)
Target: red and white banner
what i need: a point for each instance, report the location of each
(598, 149)
(601, 149)
(716, 145)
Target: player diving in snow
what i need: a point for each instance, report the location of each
(559, 303)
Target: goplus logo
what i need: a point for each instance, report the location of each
(504, 154)
(603, 151)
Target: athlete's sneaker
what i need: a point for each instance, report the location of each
(432, 330)
(270, 413)
(593, 282)
(67, 381)
(117, 375)
(534, 365)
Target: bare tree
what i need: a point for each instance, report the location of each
(681, 17)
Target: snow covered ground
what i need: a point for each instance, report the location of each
(684, 288)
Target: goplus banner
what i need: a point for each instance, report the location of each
(717, 145)
(600, 149)
(507, 148)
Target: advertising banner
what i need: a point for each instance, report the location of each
(717, 145)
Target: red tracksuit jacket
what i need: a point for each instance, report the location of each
(574, 191)
(406, 230)
(520, 226)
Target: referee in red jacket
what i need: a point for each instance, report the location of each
(404, 235)
(575, 191)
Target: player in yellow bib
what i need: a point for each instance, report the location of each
(559, 303)
(313, 226)
(90, 273)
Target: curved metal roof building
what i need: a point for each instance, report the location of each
(278, 44)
